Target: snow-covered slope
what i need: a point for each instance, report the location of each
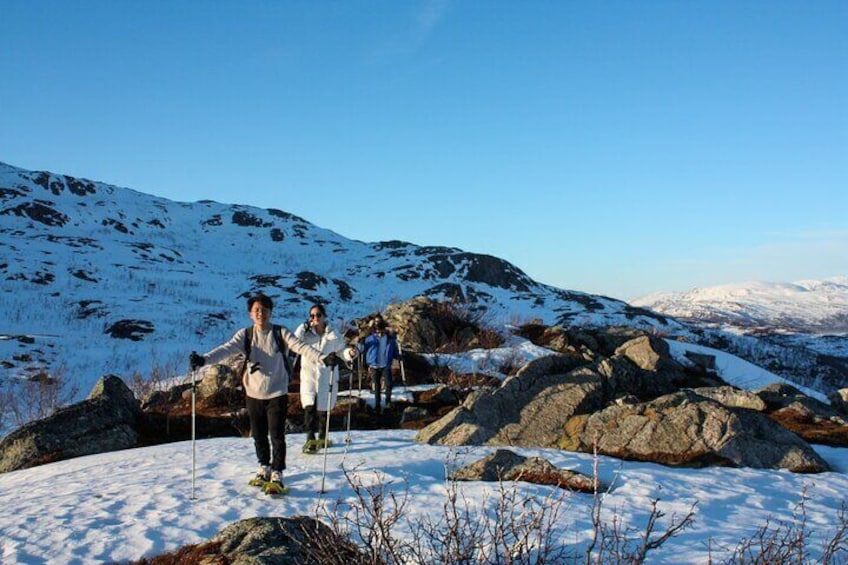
(99, 279)
(808, 306)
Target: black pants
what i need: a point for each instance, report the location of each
(379, 374)
(269, 417)
(314, 421)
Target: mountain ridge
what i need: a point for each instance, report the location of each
(101, 279)
(810, 306)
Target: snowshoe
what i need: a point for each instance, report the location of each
(310, 447)
(263, 475)
(275, 486)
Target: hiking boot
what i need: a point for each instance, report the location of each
(275, 485)
(263, 474)
(311, 446)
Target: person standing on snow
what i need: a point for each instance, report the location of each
(380, 349)
(316, 379)
(266, 383)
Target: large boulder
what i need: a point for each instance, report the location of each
(687, 429)
(531, 408)
(107, 420)
(528, 410)
(299, 540)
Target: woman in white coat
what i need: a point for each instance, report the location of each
(316, 379)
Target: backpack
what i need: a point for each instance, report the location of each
(281, 348)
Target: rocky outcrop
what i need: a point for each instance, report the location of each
(425, 325)
(106, 421)
(811, 419)
(636, 403)
(687, 429)
(527, 410)
(505, 465)
(299, 540)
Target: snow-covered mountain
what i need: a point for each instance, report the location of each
(100, 279)
(808, 306)
(799, 330)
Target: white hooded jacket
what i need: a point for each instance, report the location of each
(315, 378)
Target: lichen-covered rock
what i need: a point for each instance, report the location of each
(687, 429)
(505, 465)
(107, 420)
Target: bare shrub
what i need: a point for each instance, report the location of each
(613, 542)
(792, 542)
(24, 399)
(510, 527)
(459, 323)
(161, 377)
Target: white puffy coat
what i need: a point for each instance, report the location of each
(315, 378)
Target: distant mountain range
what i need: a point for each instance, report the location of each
(817, 307)
(100, 279)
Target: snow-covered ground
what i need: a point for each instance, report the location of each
(138, 503)
(131, 504)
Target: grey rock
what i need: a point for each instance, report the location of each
(298, 540)
(733, 397)
(528, 409)
(686, 429)
(505, 465)
(107, 420)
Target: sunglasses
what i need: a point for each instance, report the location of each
(317, 316)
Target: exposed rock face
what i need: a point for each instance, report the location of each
(637, 404)
(526, 410)
(733, 397)
(425, 325)
(813, 420)
(691, 430)
(299, 540)
(506, 465)
(106, 421)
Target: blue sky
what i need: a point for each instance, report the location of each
(617, 148)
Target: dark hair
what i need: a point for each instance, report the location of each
(319, 307)
(261, 299)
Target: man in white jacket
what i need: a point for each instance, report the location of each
(319, 384)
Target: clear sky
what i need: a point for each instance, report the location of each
(617, 148)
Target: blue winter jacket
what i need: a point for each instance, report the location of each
(372, 347)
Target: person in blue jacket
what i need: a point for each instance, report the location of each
(380, 348)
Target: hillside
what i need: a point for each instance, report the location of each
(100, 279)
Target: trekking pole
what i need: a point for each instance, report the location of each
(327, 429)
(349, 403)
(402, 370)
(193, 429)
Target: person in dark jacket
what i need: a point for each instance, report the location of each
(381, 349)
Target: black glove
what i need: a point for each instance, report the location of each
(331, 360)
(196, 361)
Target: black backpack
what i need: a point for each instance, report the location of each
(281, 348)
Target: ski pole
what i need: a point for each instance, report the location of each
(193, 429)
(349, 403)
(330, 383)
(402, 370)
